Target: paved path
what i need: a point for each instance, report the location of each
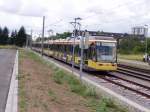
(7, 58)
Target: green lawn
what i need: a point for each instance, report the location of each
(8, 47)
(137, 57)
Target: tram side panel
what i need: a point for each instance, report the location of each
(64, 52)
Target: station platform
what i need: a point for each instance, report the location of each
(133, 63)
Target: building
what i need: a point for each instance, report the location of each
(111, 34)
(140, 30)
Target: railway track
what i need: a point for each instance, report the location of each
(135, 87)
(140, 89)
(146, 71)
(137, 73)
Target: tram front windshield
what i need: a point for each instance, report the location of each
(106, 51)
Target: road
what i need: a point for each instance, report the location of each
(7, 58)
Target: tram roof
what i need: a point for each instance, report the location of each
(92, 39)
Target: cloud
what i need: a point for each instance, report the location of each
(107, 15)
(24, 8)
(33, 8)
(11, 6)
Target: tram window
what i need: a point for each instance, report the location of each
(58, 47)
(65, 50)
(92, 52)
(76, 50)
(62, 48)
(50, 46)
(85, 54)
(106, 52)
(71, 49)
(54, 47)
(68, 49)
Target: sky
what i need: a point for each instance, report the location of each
(97, 15)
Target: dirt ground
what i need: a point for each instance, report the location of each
(39, 92)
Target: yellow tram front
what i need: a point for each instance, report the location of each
(103, 56)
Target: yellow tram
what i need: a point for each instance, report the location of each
(99, 56)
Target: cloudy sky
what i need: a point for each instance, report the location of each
(106, 15)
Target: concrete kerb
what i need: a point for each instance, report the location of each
(12, 99)
(117, 98)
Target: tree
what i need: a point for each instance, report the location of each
(0, 33)
(13, 37)
(63, 35)
(4, 36)
(131, 45)
(21, 37)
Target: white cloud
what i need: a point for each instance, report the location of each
(106, 15)
(10, 6)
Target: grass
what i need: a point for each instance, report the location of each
(52, 95)
(8, 47)
(60, 76)
(137, 57)
(22, 93)
(94, 101)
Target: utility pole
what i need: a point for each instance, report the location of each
(31, 39)
(73, 53)
(146, 49)
(26, 41)
(43, 35)
(81, 57)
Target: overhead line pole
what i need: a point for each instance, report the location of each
(73, 56)
(82, 51)
(73, 52)
(43, 35)
(146, 48)
(26, 41)
(31, 39)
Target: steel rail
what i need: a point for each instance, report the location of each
(126, 87)
(142, 76)
(146, 71)
(133, 82)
